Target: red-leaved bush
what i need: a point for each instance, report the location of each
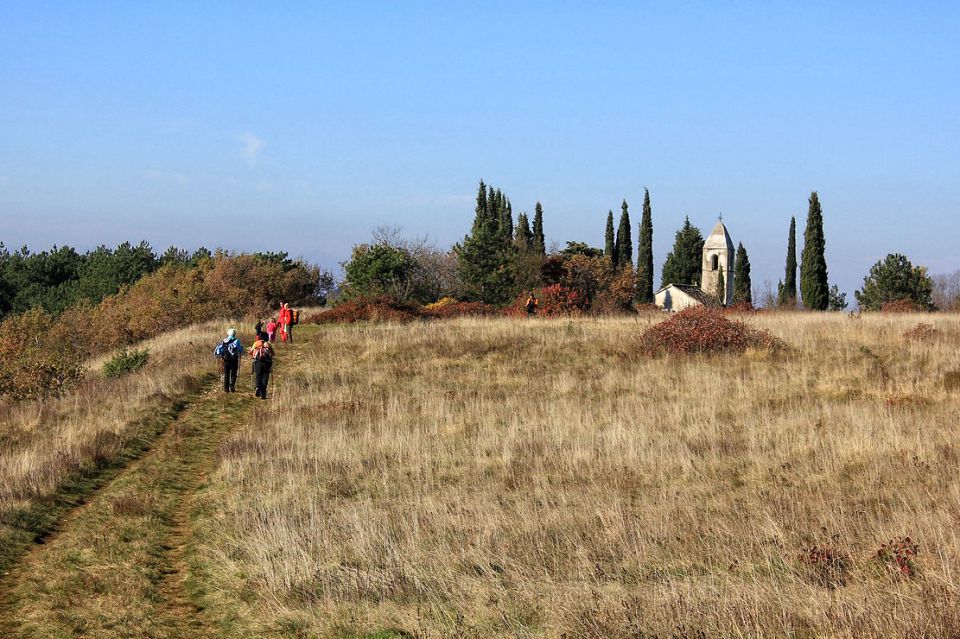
(555, 300)
(704, 330)
(921, 332)
(902, 306)
(899, 556)
(383, 308)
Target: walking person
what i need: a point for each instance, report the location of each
(532, 304)
(262, 354)
(229, 351)
(272, 330)
(286, 322)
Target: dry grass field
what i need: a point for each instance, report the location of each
(479, 478)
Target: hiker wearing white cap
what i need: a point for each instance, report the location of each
(229, 352)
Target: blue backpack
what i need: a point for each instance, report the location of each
(229, 350)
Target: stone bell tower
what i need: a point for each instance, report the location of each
(717, 259)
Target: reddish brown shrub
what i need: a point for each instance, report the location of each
(451, 310)
(902, 306)
(899, 556)
(740, 307)
(704, 330)
(826, 566)
(921, 332)
(368, 309)
(555, 300)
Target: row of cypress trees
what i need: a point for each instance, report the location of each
(814, 285)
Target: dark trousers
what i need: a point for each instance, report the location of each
(230, 370)
(261, 376)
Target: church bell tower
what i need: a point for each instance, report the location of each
(717, 259)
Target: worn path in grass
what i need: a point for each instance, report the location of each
(120, 564)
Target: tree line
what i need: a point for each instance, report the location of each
(501, 259)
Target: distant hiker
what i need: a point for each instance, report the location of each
(532, 304)
(262, 354)
(258, 328)
(272, 330)
(286, 322)
(229, 351)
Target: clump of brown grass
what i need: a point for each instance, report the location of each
(922, 332)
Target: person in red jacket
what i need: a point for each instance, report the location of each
(286, 322)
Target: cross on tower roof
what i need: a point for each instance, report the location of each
(720, 217)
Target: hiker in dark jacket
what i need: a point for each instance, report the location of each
(230, 350)
(262, 354)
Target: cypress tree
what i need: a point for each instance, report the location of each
(814, 288)
(539, 241)
(683, 265)
(610, 249)
(506, 221)
(787, 293)
(483, 260)
(645, 254)
(624, 242)
(721, 291)
(742, 286)
(523, 237)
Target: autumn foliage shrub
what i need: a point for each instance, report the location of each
(126, 362)
(905, 305)
(383, 308)
(899, 556)
(921, 332)
(458, 309)
(826, 566)
(555, 300)
(704, 330)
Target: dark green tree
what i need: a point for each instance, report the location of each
(175, 255)
(539, 240)
(814, 288)
(580, 248)
(483, 260)
(742, 286)
(838, 299)
(522, 235)
(378, 269)
(895, 278)
(610, 239)
(721, 290)
(787, 290)
(624, 241)
(684, 262)
(645, 253)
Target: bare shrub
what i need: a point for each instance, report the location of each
(705, 330)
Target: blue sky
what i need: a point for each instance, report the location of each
(302, 129)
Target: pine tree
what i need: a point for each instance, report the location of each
(721, 291)
(483, 260)
(610, 249)
(506, 220)
(624, 242)
(742, 286)
(683, 265)
(539, 241)
(787, 293)
(814, 288)
(645, 254)
(523, 237)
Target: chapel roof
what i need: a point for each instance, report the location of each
(719, 238)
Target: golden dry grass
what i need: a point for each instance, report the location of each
(485, 478)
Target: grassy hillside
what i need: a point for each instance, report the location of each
(495, 477)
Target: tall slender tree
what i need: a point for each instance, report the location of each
(814, 288)
(483, 260)
(624, 242)
(742, 286)
(523, 236)
(610, 248)
(787, 291)
(645, 254)
(683, 265)
(721, 291)
(539, 241)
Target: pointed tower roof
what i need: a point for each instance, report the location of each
(719, 238)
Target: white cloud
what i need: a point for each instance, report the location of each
(252, 145)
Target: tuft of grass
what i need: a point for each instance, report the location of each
(126, 361)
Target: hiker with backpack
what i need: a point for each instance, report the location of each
(532, 304)
(287, 322)
(262, 354)
(229, 352)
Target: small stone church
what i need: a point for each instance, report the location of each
(717, 259)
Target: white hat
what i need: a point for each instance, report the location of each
(232, 332)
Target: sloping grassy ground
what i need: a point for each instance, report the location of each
(486, 478)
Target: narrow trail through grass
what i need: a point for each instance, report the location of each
(120, 564)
